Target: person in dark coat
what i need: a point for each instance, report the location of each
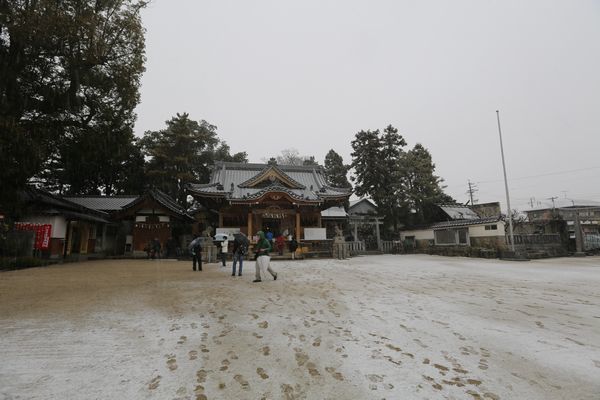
(240, 249)
(156, 247)
(196, 251)
(293, 247)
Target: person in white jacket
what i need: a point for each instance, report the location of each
(224, 247)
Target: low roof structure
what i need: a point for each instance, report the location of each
(362, 206)
(47, 203)
(458, 211)
(103, 203)
(156, 196)
(125, 204)
(334, 213)
(462, 223)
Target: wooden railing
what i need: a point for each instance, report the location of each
(355, 248)
(389, 246)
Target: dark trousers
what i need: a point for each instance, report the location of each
(197, 259)
(223, 258)
(237, 258)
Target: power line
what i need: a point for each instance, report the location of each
(540, 175)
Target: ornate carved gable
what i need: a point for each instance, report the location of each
(271, 175)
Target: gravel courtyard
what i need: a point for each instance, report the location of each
(377, 327)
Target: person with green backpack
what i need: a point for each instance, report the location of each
(261, 250)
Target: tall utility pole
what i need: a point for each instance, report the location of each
(471, 191)
(510, 224)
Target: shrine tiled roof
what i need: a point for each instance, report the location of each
(102, 203)
(163, 199)
(465, 222)
(239, 182)
(52, 204)
(457, 223)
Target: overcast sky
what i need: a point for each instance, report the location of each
(309, 74)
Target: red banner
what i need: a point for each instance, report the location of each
(46, 235)
(43, 233)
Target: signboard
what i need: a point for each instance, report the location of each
(43, 233)
(270, 215)
(315, 234)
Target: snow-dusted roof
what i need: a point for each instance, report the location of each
(103, 203)
(246, 182)
(465, 222)
(50, 203)
(357, 201)
(457, 223)
(457, 211)
(334, 212)
(362, 206)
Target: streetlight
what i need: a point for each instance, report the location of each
(510, 224)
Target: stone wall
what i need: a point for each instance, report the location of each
(489, 242)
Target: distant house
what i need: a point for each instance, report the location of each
(462, 227)
(567, 210)
(362, 206)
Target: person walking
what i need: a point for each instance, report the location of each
(240, 248)
(280, 244)
(224, 248)
(262, 257)
(293, 247)
(269, 236)
(196, 251)
(156, 247)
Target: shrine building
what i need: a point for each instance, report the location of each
(283, 199)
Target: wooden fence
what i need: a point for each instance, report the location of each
(550, 238)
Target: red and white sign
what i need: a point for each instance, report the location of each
(43, 233)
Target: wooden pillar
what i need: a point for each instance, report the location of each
(298, 225)
(104, 230)
(319, 219)
(250, 225)
(355, 232)
(220, 220)
(379, 247)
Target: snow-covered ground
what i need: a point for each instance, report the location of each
(393, 327)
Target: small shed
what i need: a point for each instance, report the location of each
(153, 215)
(70, 230)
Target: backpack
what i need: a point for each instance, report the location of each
(243, 249)
(195, 246)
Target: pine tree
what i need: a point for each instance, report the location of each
(402, 184)
(183, 153)
(423, 189)
(336, 171)
(376, 162)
